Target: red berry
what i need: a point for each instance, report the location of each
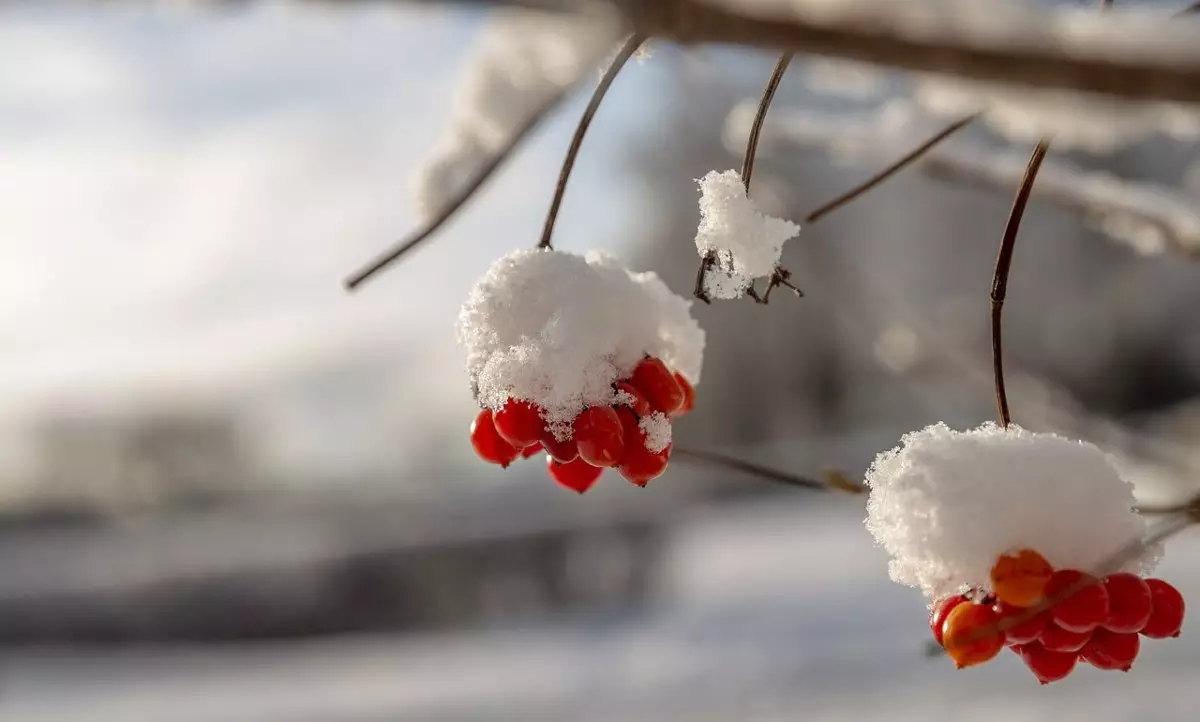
(941, 610)
(1166, 619)
(640, 465)
(1056, 639)
(1025, 631)
(560, 451)
(1020, 578)
(1046, 665)
(577, 475)
(599, 436)
(658, 385)
(689, 394)
(488, 444)
(1111, 650)
(519, 423)
(1129, 603)
(639, 404)
(1080, 601)
(530, 450)
(966, 636)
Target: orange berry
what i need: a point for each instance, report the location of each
(1020, 579)
(689, 394)
(971, 635)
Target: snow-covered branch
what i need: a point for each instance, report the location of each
(1149, 217)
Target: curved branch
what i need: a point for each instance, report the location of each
(610, 74)
(1003, 266)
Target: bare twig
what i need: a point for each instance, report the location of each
(764, 105)
(760, 117)
(1000, 277)
(833, 481)
(610, 74)
(889, 171)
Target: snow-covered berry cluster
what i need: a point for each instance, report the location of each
(1053, 618)
(581, 358)
(633, 435)
(1015, 523)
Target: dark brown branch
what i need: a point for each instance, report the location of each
(1083, 64)
(760, 117)
(890, 170)
(610, 74)
(1000, 277)
(833, 482)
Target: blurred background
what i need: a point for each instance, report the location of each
(232, 491)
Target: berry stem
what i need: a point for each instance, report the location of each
(610, 74)
(1003, 266)
(835, 482)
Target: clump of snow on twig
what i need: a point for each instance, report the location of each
(945, 504)
(745, 243)
(657, 428)
(557, 329)
(524, 63)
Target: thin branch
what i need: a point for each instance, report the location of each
(1190, 507)
(890, 170)
(764, 105)
(464, 194)
(610, 74)
(1000, 277)
(834, 481)
(760, 117)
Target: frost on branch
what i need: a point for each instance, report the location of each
(523, 64)
(558, 329)
(946, 504)
(745, 244)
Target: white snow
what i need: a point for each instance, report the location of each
(657, 428)
(524, 63)
(557, 329)
(946, 504)
(745, 243)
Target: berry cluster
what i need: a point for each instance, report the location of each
(1053, 618)
(601, 436)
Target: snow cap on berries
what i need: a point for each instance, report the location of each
(946, 504)
(657, 430)
(558, 329)
(745, 243)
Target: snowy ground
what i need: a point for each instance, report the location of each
(775, 611)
